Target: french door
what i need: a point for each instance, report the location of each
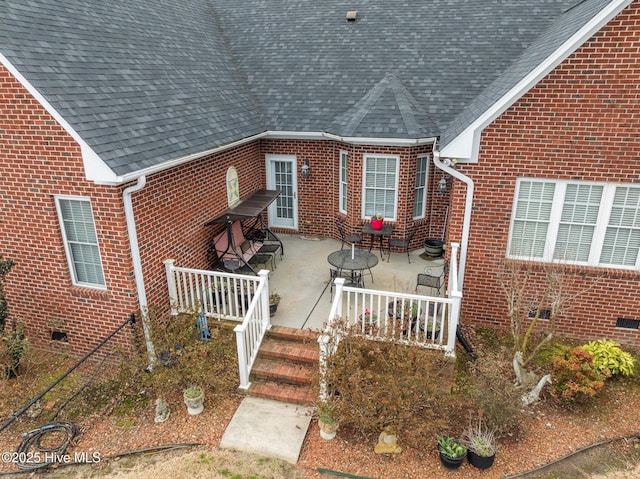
(281, 175)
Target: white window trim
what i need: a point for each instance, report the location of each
(367, 156)
(63, 231)
(606, 204)
(426, 184)
(343, 182)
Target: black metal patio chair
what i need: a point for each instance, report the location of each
(402, 243)
(347, 238)
(432, 280)
(352, 278)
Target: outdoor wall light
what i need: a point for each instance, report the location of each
(442, 186)
(306, 169)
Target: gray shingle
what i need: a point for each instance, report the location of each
(146, 82)
(568, 23)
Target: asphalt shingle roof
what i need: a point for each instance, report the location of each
(146, 82)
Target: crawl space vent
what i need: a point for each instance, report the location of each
(59, 336)
(627, 323)
(544, 313)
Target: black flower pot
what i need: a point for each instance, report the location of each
(481, 462)
(272, 309)
(451, 463)
(434, 248)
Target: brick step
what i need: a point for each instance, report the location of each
(292, 334)
(276, 391)
(286, 366)
(284, 371)
(292, 351)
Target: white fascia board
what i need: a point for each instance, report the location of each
(280, 135)
(320, 135)
(94, 166)
(466, 146)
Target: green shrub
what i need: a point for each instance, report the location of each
(609, 359)
(574, 377)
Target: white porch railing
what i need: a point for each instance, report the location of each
(230, 296)
(426, 321)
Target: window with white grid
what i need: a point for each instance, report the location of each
(80, 241)
(343, 182)
(420, 189)
(380, 186)
(596, 224)
(578, 222)
(622, 237)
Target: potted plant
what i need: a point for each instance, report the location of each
(376, 221)
(369, 320)
(452, 452)
(274, 300)
(327, 420)
(433, 329)
(193, 398)
(481, 444)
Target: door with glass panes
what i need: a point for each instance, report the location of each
(281, 175)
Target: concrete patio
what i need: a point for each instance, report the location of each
(302, 278)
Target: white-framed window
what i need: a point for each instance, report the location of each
(578, 222)
(380, 186)
(344, 174)
(420, 188)
(80, 241)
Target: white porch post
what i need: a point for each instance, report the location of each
(264, 300)
(171, 285)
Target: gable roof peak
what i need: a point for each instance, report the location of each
(389, 98)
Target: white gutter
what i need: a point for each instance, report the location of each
(446, 166)
(137, 264)
(101, 179)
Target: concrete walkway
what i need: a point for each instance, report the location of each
(268, 428)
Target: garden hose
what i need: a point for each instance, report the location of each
(166, 447)
(339, 474)
(586, 448)
(33, 454)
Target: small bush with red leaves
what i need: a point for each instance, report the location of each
(575, 378)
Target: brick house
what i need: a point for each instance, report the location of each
(118, 126)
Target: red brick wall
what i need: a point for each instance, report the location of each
(38, 160)
(581, 122)
(173, 207)
(318, 202)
